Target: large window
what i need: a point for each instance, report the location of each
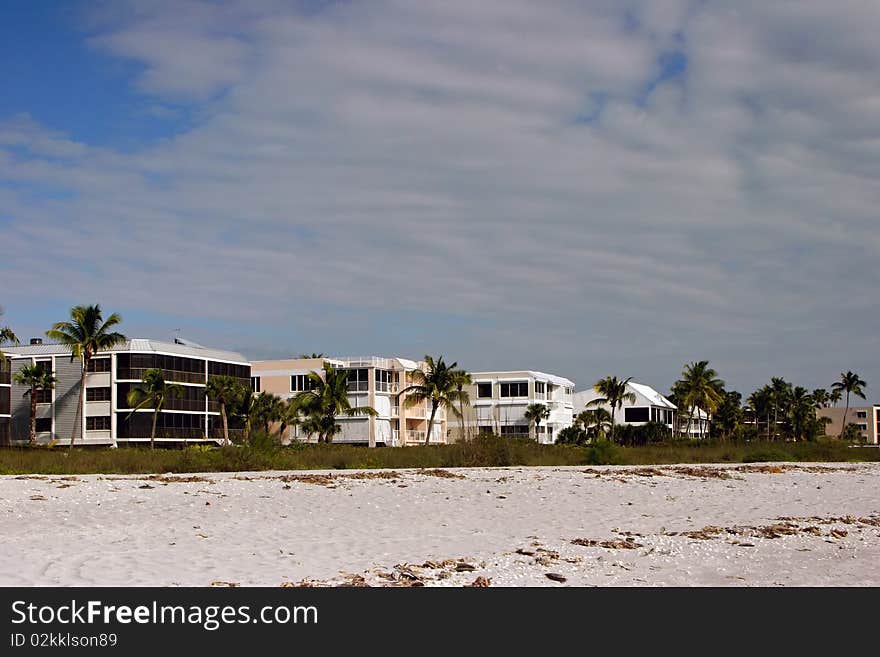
(175, 368)
(98, 394)
(861, 414)
(484, 390)
(99, 365)
(229, 369)
(5, 402)
(636, 414)
(384, 380)
(515, 430)
(301, 383)
(168, 425)
(43, 396)
(515, 389)
(44, 425)
(98, 423)
(540, 389)
(190, 398)
(357, 380)
(256, 384)
(45, 365)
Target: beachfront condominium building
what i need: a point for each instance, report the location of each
(372, 381)
(866, 419)
(498, 403)
(109, 418)
(649, 406)
(5, 400)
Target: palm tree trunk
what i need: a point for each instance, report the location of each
(225, 424)
(80, 407)
(845, 412)
(153, 429)
(431, 422)
(461, 413)
(33, 436)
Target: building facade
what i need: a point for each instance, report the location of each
(649, 406)
(498, 402)
(5, 400)
(372, 381)
(866, 418)
(108, 418)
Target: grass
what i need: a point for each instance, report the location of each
(485, 451)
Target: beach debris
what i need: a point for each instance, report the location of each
(627, 543)
(146, 486)
(227, 584)
(481, 582)
(37, 498)
(838, 533)
(353, 580)
(556, 577)
(464, 567)
(438, 472)
(523, 551)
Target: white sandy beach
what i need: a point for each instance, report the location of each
(785, 525)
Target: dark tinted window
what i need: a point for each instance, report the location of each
(484, 390)
(99, 365)
(44, 424)
(638, 414)
(97, 394)
(98, 423)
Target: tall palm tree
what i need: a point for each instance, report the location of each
(290, 415)
(266, 408)
(462, 379)
(821, 398)
(780, 396)
(613, 392)
(85, 335)
(800, 411)
(536, 413)
(226, 391)
(595, 422)
(34, 378)
(439, 385)
(834, 397)
(851, 384)
(699, 387)
(152, 393)
(327, 398)
(761, 402)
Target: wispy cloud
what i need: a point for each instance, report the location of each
(582, 187)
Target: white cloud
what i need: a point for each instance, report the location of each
(409, 161)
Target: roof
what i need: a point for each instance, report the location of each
(552, 378)
(135, 345)
(647, 392)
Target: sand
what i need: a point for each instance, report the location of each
(773, 525)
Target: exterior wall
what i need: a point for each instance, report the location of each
(871, 421)
(585, 396)
(395, 425)
(506, 415)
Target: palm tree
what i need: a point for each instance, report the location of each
(311, 355)
(439, 385)
(595, 422)
(780, 395)
(849, 383)
(85, 335)
(699, 387)
(821, 398)
(266, 408)
(535, 413)
(6, 335)
(462, 379)
(800, 411)
(327, 398)
(153, 393)
(290, 415)
(761, 402)
(614, 393)
(34, 378)
(225, 390)
(834, 397)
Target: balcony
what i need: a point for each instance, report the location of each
(137, 374)
(357, 386)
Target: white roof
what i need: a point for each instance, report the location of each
(136, 345)
(542, 376)
(646, 392)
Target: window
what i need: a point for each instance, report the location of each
(484, 390)
(515, 430)
(384, 379)
(44, 425)
(301, 383)
(226, 369)
(43, 396)
(861, 414)
(637, 414)
(863, 427)
(98, 423)
(357, 380)
(97, 394)
(255, 384)
(485, 428)
(516, 389)
(45, 365)
(540, 388)
(99, 365)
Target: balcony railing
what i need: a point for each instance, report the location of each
(137, 374)
(358, 386)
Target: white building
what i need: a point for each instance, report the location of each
(498, 402)
(649, 406)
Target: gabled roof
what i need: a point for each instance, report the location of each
(645, 392)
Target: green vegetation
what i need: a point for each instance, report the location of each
(849, 383)
(440, 385)
(86, 334)
(153, 393)
(327, 399)
(614, 393)
(36, 379)
(262, 453)
(535, 413)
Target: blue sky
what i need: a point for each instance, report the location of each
(588, 188)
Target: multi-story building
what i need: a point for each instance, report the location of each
(498, 402)
(866, 418)
(372, 381)
(108, 418)
(649, 406)
(5, 400)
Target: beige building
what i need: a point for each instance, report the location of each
(866, 418)
(372, 381)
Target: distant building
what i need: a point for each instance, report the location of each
(866, 418)
(372, 381)
(5, 401)
(649, 406)
(498, 402)
(108, 418)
